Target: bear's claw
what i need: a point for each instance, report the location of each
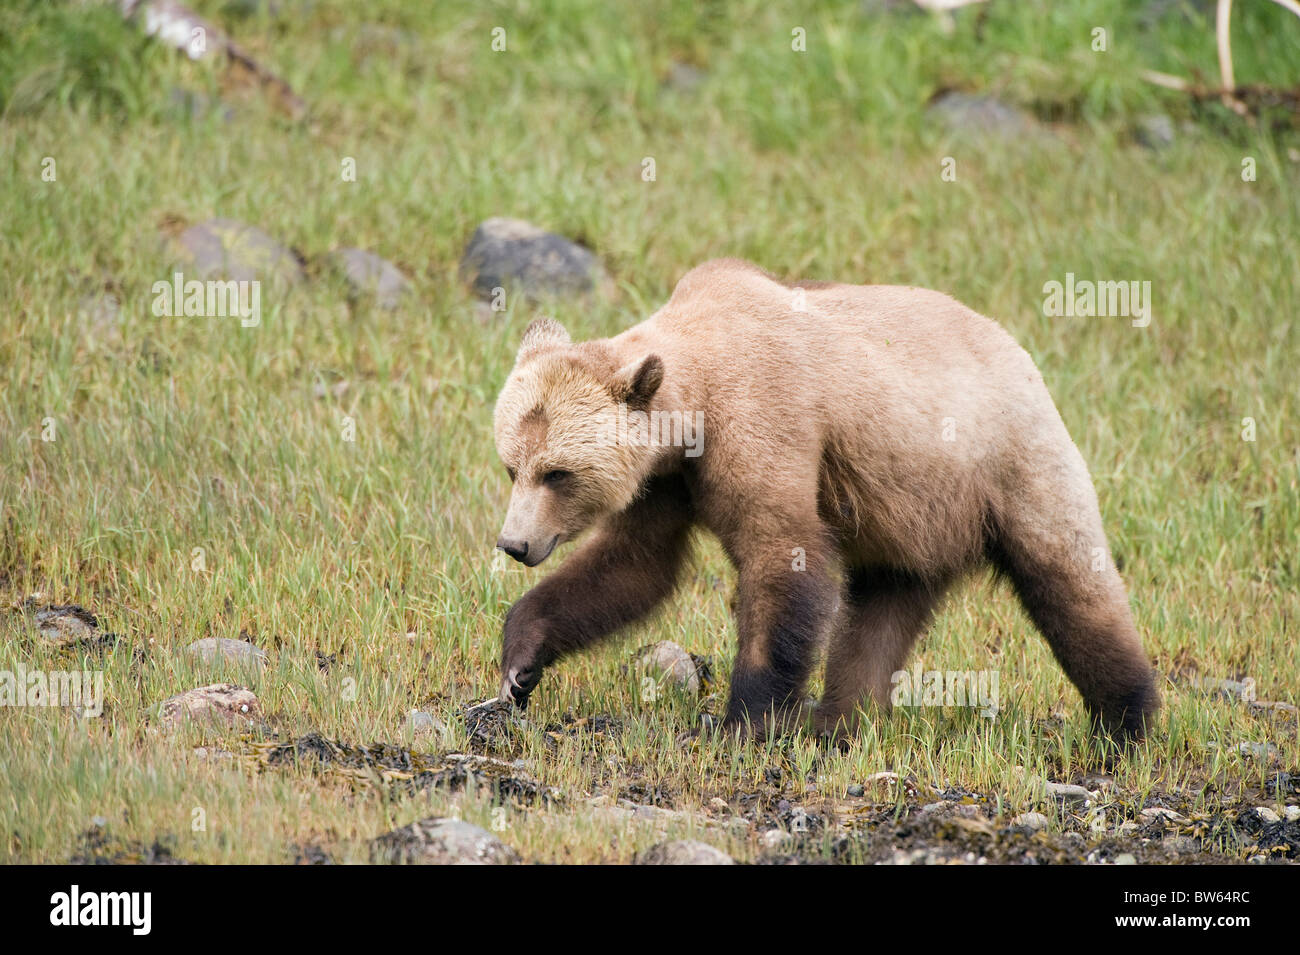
(517, 686)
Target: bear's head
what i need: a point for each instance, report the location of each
(556, 425)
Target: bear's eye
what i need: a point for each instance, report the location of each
(556, 477)
(511, 473)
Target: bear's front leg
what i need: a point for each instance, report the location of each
(785, 600)
(615, 578)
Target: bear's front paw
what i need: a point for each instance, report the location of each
(517, 685)
(773, 720)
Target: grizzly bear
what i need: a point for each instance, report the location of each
(862, 447)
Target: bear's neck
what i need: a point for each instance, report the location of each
(677, 428)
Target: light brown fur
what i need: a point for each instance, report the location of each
(824, 436)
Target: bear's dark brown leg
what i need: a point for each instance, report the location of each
(617, 577)
(885, 611)
(782, 608)
(1073, 593)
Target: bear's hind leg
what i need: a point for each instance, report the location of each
(1072, 591)
(885, 611)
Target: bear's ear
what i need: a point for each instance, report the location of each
(542, 332)
(636, 384)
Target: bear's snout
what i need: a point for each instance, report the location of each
(516, 549)
(530, 555)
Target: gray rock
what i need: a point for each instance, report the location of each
(1291, 813)
(1065, 793)
(1030, 820)
(517, 255)
(101, 310)
(223, 249)
(684, 852)
(1154, 132)
(1099, 783)
(915, 857)
(652, 814)
(1161, 814)
(1068, 793)
(1274, 706)
(1182, 845)
(1126, 858)
(1243, 690)
(685, 78)
(856, 789)
(776, 839)
(336, 390)
(381, 39)
(1265, 751)
(369, 275)
(212, 754)
(672, 663)
(426, 724)
(223, 705)
(980, 115)
(626, 811)
(437, 841)
(1265, 814)
(67, 624)
(217, 649)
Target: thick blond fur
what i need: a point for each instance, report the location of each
(873, 442)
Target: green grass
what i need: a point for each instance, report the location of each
(176, 434)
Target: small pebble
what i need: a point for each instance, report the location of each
(775, 838)
(1160, 812)
(1030, 820)
(426, 724)
(1068, 793)
(684, 852)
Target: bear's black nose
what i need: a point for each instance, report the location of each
(516, 549)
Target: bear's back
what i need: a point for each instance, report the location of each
(749, 313)
(840, 360)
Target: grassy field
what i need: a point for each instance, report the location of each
(177, 435)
